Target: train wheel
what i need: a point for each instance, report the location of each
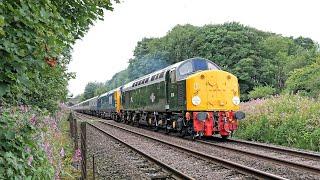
(183, 132)
(167, 129)
(155, 124)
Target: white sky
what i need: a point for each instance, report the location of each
(109, 44)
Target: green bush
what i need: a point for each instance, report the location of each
(261, 92)
(21, 157)
(305, 80)
(289, 120)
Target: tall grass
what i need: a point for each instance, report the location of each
(289, 120)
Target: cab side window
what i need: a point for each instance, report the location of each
(173, 77)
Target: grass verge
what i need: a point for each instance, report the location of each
(289, 120)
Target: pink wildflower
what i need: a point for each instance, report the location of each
(62, 154)
(30, 159)
(23, 108)
(57, 175)
(33, 119)
(77, 156)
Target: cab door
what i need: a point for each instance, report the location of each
(171, 90)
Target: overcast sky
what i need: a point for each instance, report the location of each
(109, 44)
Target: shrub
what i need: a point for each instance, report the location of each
(305, 80)
(20, 155)
(261, 92)
(35, 145)
(289, 120)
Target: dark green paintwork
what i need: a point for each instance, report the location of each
(164, 93)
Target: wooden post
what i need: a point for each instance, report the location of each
(93, 168)
(83, 144)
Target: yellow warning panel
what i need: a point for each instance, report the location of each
(212, 90)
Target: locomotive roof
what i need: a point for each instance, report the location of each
(129, 86)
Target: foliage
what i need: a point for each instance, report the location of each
(305, 80)
(118, 79)
(261, 92)
(257, 58)
(289, 120)
(147, 64)
(90, 89)
(36, 39)
(35, 145)
(20, 155)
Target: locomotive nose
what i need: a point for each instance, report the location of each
(213, 90)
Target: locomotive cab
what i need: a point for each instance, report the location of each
(211, 97)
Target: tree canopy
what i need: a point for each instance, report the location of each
(36, 39)
(256, 57)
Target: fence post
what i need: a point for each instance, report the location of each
(93, 168)
(71, 124)
(83, 144)
(75, 134)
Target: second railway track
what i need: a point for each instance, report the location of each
(241, 167)
(294, 152)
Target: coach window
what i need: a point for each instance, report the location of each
(152, 78)
(161, 75)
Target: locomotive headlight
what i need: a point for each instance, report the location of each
(236, 100)
(196, 100)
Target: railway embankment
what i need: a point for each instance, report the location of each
(287, 120)
(36, 144)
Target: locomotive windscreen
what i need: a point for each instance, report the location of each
(199, 64)
(194, 65)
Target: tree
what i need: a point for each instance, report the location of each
(305, 80)
(257, 58)
(90, 89)
(36, 40)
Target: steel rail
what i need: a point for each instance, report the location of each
(298, 153)
(229, 164)
(268, 158)
(174, 172)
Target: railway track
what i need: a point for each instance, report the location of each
(280, 161)
(297, 153)
(248, 170)
(229, 164)
(173, 173)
